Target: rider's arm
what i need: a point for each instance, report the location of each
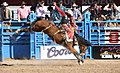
(61, 12)
(72, 22)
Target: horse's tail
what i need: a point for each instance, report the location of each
(82, 40)
(23, 30)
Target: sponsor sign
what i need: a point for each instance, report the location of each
(106, 52)
(112, 37)
(56, 52)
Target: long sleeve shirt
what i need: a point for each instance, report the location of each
(61, 12)
(72, 22)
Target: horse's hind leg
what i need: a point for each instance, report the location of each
(83, 50)
(78, 56)
(80, 59)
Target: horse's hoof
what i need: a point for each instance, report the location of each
(80, 62)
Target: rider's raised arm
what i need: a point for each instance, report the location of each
(59, 10)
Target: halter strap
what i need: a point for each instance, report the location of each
(46, 28)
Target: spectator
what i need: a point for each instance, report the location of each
(76, 13)
(6, 13)
(57, 16)
(40, 10)
(110, 10)
(54, 14)
(63, 8)
(33, 5)
(95, 11)
(117, 8)
(50, 8)
(118, 14)
(23, 12)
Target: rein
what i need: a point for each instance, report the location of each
(46, 28)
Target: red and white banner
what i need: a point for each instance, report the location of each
(112, 37)
(56, 52)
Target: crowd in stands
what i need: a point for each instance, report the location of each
(108, 12)
(23, 11)
(58, 11)
(98, 12)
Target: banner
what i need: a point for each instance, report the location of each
(106, 52)
(56, 52)
(112, 37)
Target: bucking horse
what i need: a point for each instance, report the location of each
(56, 35)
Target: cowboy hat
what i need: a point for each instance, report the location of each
(23, 3)
(4, 4)
(74, 5)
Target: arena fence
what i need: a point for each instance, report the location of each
(104, 36)
(105, 41)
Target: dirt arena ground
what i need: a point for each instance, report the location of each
(60, 66)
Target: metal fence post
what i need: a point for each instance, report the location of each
(87, 33)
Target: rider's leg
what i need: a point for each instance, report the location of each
(69, 32)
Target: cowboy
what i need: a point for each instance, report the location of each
(23, 12)
(6, 13)
(64, 23)
(76, 13)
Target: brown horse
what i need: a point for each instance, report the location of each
(54, 33)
